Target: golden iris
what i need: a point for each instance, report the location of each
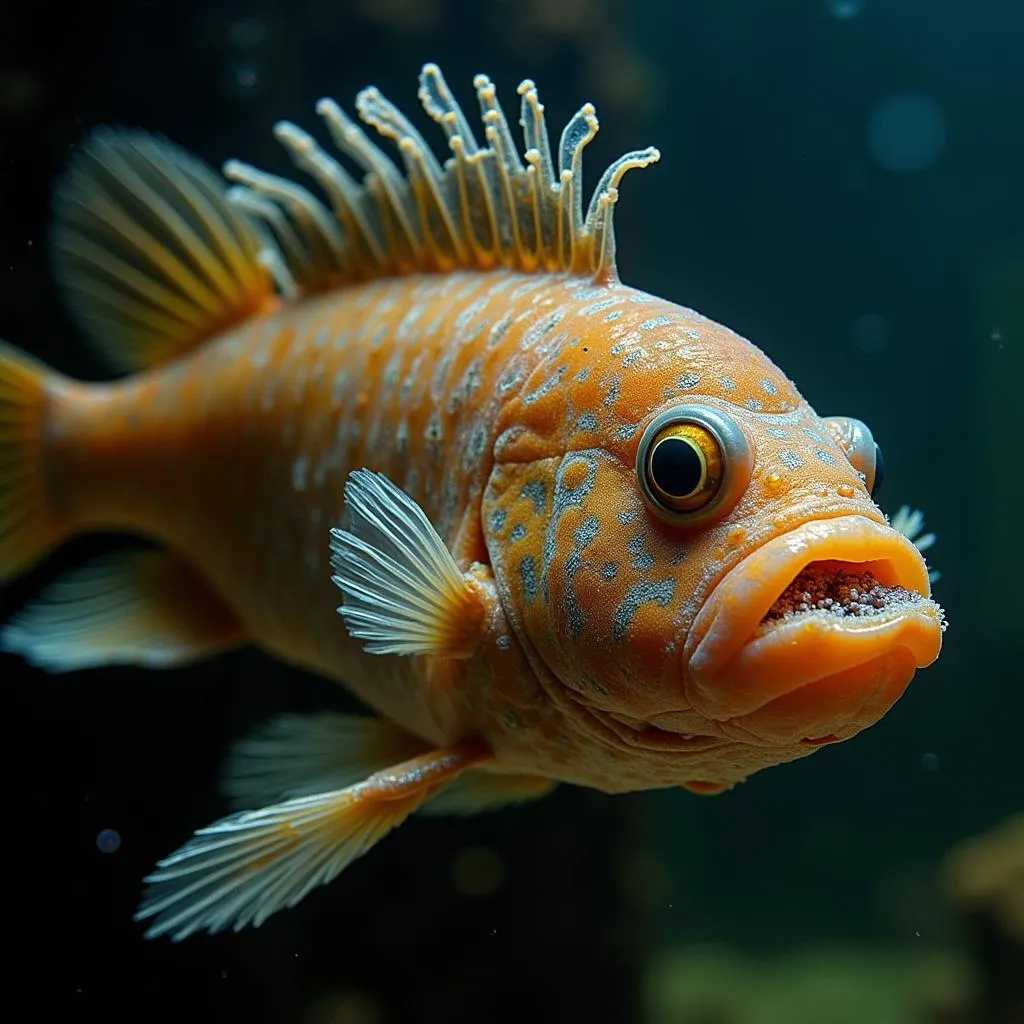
(685, 467)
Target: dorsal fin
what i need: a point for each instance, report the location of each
(483, 208)
(151, 255)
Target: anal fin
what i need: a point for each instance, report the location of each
(127, 607)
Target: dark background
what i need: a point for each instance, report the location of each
(891, 295)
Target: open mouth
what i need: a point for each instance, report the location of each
(820, 600)
(836, 590)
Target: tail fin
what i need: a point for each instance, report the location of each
(29, 527)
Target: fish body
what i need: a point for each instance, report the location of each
(581, 534)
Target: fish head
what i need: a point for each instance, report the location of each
(693, 559)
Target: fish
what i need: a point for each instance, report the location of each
(579, 534)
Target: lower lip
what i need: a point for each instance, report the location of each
(832, 708)
(798, 653)
(794, 654)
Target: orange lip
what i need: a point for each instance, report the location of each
(731, 671)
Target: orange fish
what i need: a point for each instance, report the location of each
(581, 534)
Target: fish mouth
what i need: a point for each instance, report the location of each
(836, 610)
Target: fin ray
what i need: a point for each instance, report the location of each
(242, 869)
(137, 607)
(403, 592)
(150, 253)
(482, 208)
(301, 755)
(29, 526)
(296, 755)
(910, 522)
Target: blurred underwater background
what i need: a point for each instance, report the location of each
(842, 182)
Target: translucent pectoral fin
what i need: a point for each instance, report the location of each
(403, 592)
(248, 866)
(128, 607)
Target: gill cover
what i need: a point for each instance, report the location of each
(589, 586)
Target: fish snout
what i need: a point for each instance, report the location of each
(815, 635)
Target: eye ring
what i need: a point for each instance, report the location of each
(860, 447)
(719, 464)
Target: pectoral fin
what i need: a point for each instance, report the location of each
(246, 867)
(403, 591)
(128, 607)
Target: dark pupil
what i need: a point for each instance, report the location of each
(676, 468)
(879, 472)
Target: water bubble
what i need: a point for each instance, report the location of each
(245, 78)
(108, 841)
(906, 133)
(870, 334)
(845, 8)
(930, 762)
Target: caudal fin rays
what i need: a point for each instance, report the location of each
(29, 524)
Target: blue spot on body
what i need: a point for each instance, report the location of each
(528, 576)
(537, 492)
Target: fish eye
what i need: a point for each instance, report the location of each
(854, 437)
(693, 463)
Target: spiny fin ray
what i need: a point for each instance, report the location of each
(484, 207)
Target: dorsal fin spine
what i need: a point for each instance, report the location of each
(483, 208)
